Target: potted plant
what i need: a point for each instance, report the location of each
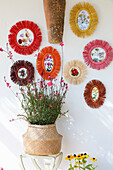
(42, 103)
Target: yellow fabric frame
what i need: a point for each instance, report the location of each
(74, 15)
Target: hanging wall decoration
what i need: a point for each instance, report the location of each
(75, 72)
(22, 72)
(98, 54)
(94, 93)
(48, 63)
(25, 37)
(83, 19)
(54, 14)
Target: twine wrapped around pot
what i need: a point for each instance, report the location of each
(42, 140)
(54, 13)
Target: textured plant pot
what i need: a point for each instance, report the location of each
(54, 14)
(42, 140)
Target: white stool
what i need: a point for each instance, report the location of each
(50, 162)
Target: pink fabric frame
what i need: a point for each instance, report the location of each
(87, 54)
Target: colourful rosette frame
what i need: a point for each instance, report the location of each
(41, 63)
(90, 97)
(25, 37)
(83, 19)
(22, 72)
(102, 51)
(75, 72)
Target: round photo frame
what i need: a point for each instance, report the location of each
(48, 63)
(95, 93)
(83, 19)
(75, 72)
(98, 54)
(22, 72)
(25, 37)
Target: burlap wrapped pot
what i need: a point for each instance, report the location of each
(42, 140)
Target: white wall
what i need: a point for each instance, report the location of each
(83, 129)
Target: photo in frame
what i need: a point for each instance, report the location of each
(48, 63)
(22, 72)
(83, 19)
(95, 93)
(25, 37)
(98, 54)
(75, 72)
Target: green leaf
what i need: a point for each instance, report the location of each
(84, 161)
(95, 167)
(88, 166)
(71, 166)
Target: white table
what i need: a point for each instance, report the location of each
(51, 162)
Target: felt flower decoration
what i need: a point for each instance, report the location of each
(75, 72)
(22, 72)
(25, 37)
(83, 19)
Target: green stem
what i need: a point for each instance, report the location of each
(70, 164)
(78, 165)
(15, 95)
(9, 55)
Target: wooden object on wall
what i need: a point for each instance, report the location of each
(54, 13)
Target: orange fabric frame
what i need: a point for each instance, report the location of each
(56, 63)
